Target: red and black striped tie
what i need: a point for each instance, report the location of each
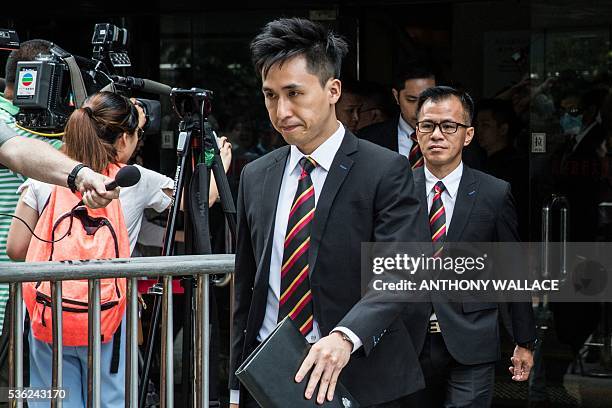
(437, 219)
(415, 156)
(296, 297)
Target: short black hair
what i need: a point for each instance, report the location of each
(412, 71)
(439, 93)
(28, 50)
(286, 38)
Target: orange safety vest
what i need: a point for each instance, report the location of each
(94, 234)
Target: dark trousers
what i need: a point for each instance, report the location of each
(449, 383)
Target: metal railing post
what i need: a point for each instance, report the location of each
(167, 348)
(16, 342)
(57, 326)
(202, 342)
(206, 339)
(94, 347)
(131, 359)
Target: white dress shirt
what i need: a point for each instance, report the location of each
(449, 196)
(404, 143)
(324, 156)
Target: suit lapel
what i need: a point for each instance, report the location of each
(464, 202)
(271, 190)
(338, 171)
(419, 185)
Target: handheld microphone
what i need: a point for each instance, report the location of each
(145, 85)
(126, 177)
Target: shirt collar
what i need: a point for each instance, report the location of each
(404, 127)
(324, 154)
(8, 106)
(451, 181)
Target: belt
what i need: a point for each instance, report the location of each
(434, 327)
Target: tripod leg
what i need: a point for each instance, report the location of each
(167, 250)
(187, 353)
(144, 381)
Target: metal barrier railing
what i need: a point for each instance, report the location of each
(202, 266)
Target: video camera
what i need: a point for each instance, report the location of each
(48, 89)
(9, 40)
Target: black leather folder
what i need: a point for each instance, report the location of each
(269, 372)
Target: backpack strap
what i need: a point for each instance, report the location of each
(57, 223)
(114, 366)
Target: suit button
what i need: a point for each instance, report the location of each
(244, 331)
(252, 288)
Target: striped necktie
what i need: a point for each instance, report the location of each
(415, 156)
(437, 219)
(296, 297)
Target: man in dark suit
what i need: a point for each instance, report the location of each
(398, 134)
(458, 342)
(303, 212)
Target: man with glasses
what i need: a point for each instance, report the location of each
(458, 343)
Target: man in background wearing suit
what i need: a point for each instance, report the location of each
(459, 342)
(398, 134)
(303, 212)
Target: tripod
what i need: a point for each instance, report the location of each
(196, 143)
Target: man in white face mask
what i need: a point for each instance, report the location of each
(571, 115)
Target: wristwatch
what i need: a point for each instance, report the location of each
(529, 345)
(72, 177)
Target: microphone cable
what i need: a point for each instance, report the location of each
(32, 231)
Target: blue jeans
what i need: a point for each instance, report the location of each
(112, 392)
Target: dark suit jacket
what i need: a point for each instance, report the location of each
(368, 196)
(385, 134)
(484, 212)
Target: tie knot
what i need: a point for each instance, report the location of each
(439, 187)
(308, 164)
(413, 137)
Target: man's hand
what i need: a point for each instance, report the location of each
(522, 361)
(329, 355)
(233, 406)
(92, 187)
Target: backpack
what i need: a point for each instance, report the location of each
(91, 234)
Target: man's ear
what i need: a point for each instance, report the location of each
(395, 95)
(469, 135)
(334, 89)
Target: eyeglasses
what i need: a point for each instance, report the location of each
(446, 127)
(140, 132)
